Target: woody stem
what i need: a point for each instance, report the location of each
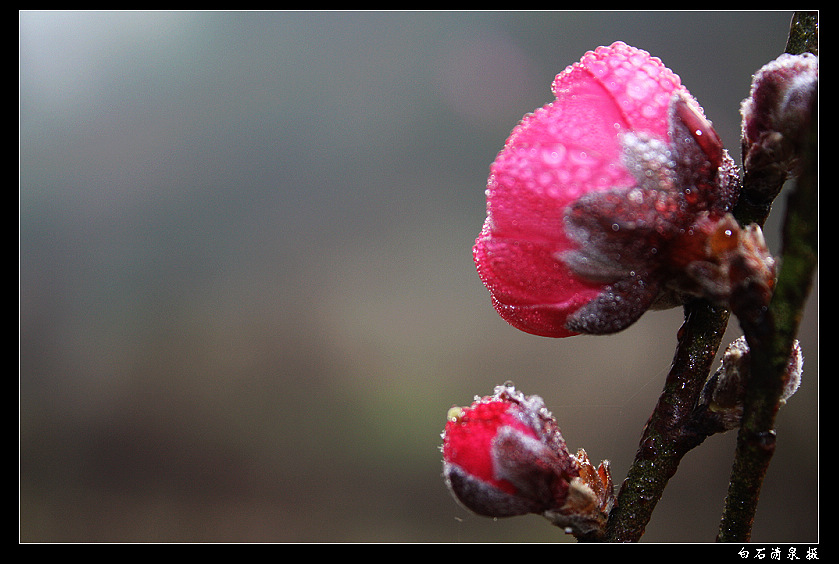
(669, 435)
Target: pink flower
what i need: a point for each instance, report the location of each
(504, 455)
(588, 199)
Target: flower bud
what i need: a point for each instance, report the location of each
(724, 392)
(776, 116)
(588, 198)
(504, 456)
(724, 263)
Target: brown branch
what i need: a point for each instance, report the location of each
(669, 434)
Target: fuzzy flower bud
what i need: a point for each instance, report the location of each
(776, 116)
(589, 199)
(504, 456)
(725, 391)
(725, 263)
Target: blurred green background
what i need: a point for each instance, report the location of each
(247, 297)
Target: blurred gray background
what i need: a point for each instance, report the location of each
(247, 296)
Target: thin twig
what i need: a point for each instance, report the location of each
(670, 432)
(668, 435)
(771, 339)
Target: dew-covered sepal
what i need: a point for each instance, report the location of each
(504, 456)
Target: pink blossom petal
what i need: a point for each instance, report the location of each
(617, 98)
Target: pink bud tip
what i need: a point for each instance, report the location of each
(504, 455)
